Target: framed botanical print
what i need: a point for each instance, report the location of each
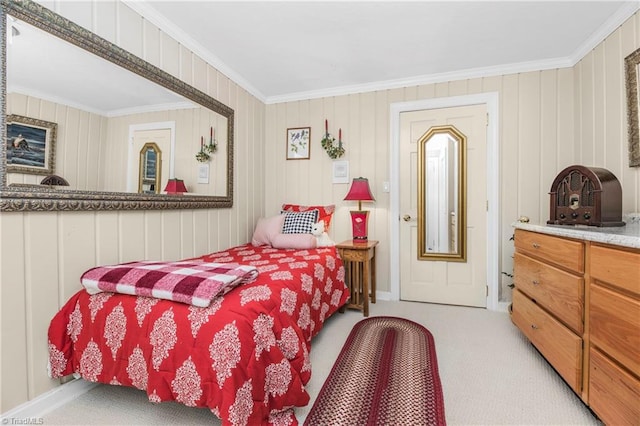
(298, 143)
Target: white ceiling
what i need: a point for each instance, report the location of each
(283, 51)
(75, 78)
(289, 50)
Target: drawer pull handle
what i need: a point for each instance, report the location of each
(536, 245)
(535, 282)
(535, 327)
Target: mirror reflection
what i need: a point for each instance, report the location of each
(104, 114)
(441, 195)
(150, 172)
(95, 104)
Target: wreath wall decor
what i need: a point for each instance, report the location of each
(327, 143)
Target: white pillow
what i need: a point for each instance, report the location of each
(294, 241)
(266, 229)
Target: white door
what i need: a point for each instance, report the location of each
(162, 138)
(441, 281)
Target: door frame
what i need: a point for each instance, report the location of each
(490, 99)
(132, 178)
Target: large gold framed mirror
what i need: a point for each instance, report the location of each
(105, 182)
(442, 187)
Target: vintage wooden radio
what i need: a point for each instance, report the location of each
(586, 196)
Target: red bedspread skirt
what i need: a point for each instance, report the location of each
(246, 356)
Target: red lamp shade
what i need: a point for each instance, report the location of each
(175, 186)
(359, 192)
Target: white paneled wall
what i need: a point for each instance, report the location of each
(79, 162)
(601, 121)
(42, 255)
(548, 120)
(535, 110)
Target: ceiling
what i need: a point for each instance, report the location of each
(288, 50)
(285, 51)
(77, 79)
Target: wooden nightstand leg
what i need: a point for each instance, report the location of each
(365, 289)
(355, 284)
(373, 276)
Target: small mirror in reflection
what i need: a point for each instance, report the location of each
(150, 169)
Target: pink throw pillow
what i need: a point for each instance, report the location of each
(294, 241)
(266, 229)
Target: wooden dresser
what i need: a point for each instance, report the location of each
(578, 302)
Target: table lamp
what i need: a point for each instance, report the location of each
(359, 192)
(175, 187)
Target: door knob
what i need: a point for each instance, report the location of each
(406, 218)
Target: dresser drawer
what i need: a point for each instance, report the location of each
(620, 268)
(565, 253)
(615, 326)
(613, 393)
(561, 347)
(558, 291)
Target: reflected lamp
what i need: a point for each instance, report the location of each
(175, 187)
(359, 192)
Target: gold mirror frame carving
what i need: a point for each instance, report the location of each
(33, 198)
(631, 64)
(461, 254)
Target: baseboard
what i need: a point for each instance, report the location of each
(386, 295)
(48, 401)
(503, 306)
(383, 295)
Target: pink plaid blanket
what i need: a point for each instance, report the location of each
(193, 282)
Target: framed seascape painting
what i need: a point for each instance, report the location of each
(298, 141)
(31, 145)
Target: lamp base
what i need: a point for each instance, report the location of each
(359, 220)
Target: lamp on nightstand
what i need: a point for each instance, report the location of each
(359, 192)
(175, 187)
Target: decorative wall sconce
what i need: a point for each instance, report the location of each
(328, 143)
(204, 155)
(212, 147)
(359, 192)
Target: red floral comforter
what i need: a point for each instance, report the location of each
(246, 356)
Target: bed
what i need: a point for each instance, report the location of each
(245, 356)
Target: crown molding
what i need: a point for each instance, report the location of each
(425, 79)
(168, 27)
(616, 20)
(623, 13)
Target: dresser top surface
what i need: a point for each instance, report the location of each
(625, 236)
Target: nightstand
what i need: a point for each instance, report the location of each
(359, 260)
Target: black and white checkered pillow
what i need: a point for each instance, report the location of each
(299, 222)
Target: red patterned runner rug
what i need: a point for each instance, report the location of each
(386, 374)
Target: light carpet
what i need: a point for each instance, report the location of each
(490, 375)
